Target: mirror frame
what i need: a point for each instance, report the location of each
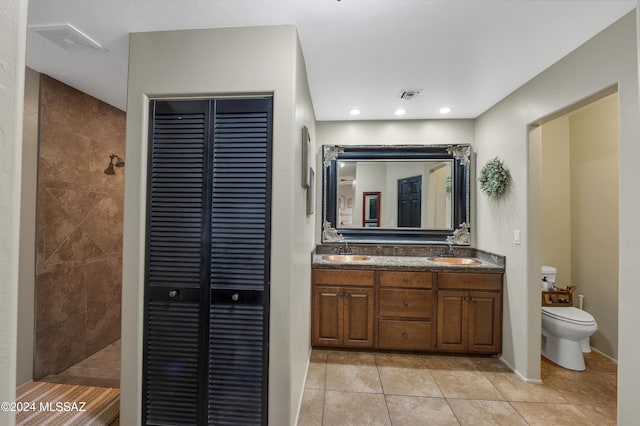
(461, 196)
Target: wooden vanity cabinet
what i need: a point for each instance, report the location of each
(343, 308)
(405, 307)
(469, 313)
(407, 310)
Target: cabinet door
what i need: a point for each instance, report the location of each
(327, 316)
(452, 328)
(358, 317)
(485, 333)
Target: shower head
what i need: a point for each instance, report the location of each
(109, 170)
(119, 163)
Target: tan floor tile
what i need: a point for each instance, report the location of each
(353, 378)
(312, 408)
(319, 355)
(514, 389)
(600, 363)
(465, 384)
(604, 415)
(400, 360)
(355, 409)
(544, 414)
(419, 411)
(485, 413)
(408, 381)
(316, 375)
(490, 364)
(351, 358)
(456, 363)
(584, 388)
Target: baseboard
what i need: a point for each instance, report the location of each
(604, 355)
(304, 386)
(518, 374)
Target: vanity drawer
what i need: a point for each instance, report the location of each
(406, 279)
(469, 281)
(410, 335)
(343, 277)
(405, 303)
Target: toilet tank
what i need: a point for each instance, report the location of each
(548, 277)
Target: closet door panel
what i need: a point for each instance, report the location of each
(239, 280)
(175, 320)
(177, 194)
(236, 368)
(241, 192)
(171, 363)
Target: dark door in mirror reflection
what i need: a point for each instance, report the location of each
(409, 202)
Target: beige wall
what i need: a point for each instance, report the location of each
(607, 59)
(301, 232)
(579, 210)
(555, 198)
(26, 295)
(594, 216)
(13, 21)
(219, 62)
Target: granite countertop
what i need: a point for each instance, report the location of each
(414, 263)
(407, 257)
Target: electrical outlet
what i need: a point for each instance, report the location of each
(516, 236)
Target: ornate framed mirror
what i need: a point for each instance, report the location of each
(404, 194)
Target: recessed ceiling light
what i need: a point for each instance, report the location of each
(400, 111)
(445, 110)
(354, 111)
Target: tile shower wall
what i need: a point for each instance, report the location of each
(79, 227)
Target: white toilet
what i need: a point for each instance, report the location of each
(565, 330)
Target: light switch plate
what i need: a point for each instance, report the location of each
(516, 236)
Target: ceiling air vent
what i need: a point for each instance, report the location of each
(407, 95)
(69, 38)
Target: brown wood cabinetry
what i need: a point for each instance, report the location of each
(469, 312)
(405, 306)
(343, 312)
(417, 311)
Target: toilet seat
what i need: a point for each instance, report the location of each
(569, 314)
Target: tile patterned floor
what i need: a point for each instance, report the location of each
(101, 369)
(358, 388)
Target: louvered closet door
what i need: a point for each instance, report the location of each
(206, 335)
(240, 229)
(175, 327)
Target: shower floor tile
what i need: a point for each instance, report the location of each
(101, 369)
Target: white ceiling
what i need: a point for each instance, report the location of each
(465, 54)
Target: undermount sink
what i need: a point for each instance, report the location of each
(345, 258)
(454, 260)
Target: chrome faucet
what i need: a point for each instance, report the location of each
(449, 252)
(345, 249)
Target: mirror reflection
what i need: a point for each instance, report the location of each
(394, 194)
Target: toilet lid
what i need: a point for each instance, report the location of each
(569, 314)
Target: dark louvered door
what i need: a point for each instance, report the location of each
(240, 224)
(206, 311)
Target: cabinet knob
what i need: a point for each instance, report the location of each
(405, 303)
(405, 280)
(405, 335)
(235, 297)
(173, 293)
